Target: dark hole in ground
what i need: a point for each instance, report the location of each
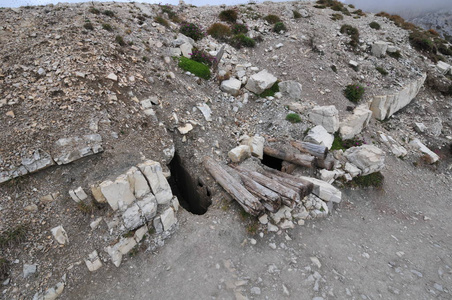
(193, 195)
(272, 162)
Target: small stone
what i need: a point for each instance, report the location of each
(10, 114)
(272, 228)
(240, 153)
(93, 262)
(185, 129)
(272, 245)
(60, 235)
(285, 290)
(263, 219)
(31, 208)
(112, 76)
(316, 261)
(255, 290)
(253, 241)
(29, 270)
(95, 223)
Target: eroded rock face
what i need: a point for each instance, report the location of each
(159, 185)
(367, 158)
(385, 106)
(260, 82)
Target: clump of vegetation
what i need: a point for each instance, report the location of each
(270, 91)
(202, 57)
(239, 28)
(272, 19)
(88, 25)
(228, 15)
(107, 27)
(352, 32)
(382, 71)
(354, 92)
(337, 17)
(320, 6)
(94, 10)
(334, 68)
(422, 41)
(4, 268)
(161, 21)
(13, 236)
(398, 21)
(334, 5)
(240, 40)
(296, 14)
(351, 6)
(109, 13)
(359, 12)
(192, 30)
(168, 10)
(293, 118)
(433, 32)
(85, 208)
(395, 54)
(339, 144)
(194, 67)
(374, 25)
(278, 27)
(219, 31)
(375, 180)
(120, 41)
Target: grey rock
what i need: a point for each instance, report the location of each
(29, 270)
(240, 153)
(93, 262)
(168, 219)
(118, 193)
(261, 81)
(355, 123)
(379, 48)
(291, 89)
(231, 86)
(318, 135)
(327, 116)
(60, 235)
(367, 158)
(159, 185)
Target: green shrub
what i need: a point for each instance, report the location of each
(375, 180)
(120, 40)
(375, 25)
(194, 67)
(339, 144)
(352, 32)
(270, 91)
(94, 10)
(161, 21)
(168, 10)
(395, 54)
(192, 30)
(382, 71)
(351, 6)
(278, 27)
(422, 41)
(228, 15)
(239, 28)
(219, 31)
(107, 27)
(293, 118)
(88, 26)
(296, 14)
(320, 6)
(359, 12)
(272, 19)
(202, 57)
(240, 40)
(337, 17)
(443, 49)
(109, 13)
(354, 92)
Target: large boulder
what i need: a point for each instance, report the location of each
(367, 158)
(261, 81)
(379, 48)
(327, 116)
(231, 86)
(385, 106)
(291, 89)
(355, 123)
(318, 135)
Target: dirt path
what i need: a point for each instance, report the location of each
(391, 244)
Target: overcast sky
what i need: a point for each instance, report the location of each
(392, 6)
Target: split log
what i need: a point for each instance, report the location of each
(298, 159)
(288, 167)
(319, 151)
(302, 189)
(247, 200)
(327, 163)
(288, 194)
(269, 199)
(309, 185)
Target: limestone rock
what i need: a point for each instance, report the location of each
(240, 153)
(256, 144)
(168, 219)
(324, 190)
(97, 194)
(148, 207)
(206, 111)
(231, 86)
(379, 48)
(355, 123)
(132, 217)
(159, 185)
(386, 105)
(185, 129)
(60, 235)
(93, 262)
(29, 270)
(112, 76)
(367, 158)
(138, 184)
(318, 135)
(261, 81)
(443, 67)
(327, 116)
(397, 149)
(67, 150)
(352, 169)
(291, 89)
(118, 193)
(431, 156)
(182, 39)
(186, 49)
(38, 161)
(78, 194)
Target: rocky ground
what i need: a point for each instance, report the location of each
(60, 80)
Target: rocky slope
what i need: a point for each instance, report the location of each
(82, 104)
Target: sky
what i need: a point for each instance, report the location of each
(402, 7)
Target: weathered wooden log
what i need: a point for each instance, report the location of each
(269, 199)
(298, 159)
(309, 185)
(319, 151)
(288, 167)
(271, 184)
(302, 189)
(327, 163)
(247, 200)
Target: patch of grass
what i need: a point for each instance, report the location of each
(85, 208)
(296, 14)
(339, 144)
(168, 10)
(395, 54)
(359, 12)
(239, 28)
(422, 41)
(228, 15)
(374, 180)
(320, 6)
(161, 21)
(194, 67)
(272, 19)
(192, 30)
(270, 91)
(382, 71)
(13, 236)
(107, 27)
(120, 40)
(253, 227)
(354, 92)
(278, 27)
(337, 17)
(219, 31)
(109, 13)
(4, 268)
(374, 25)
(240, 40)
(293, 118)
(94, 10)
(88, 26)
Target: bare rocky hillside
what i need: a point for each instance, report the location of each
(105, 130)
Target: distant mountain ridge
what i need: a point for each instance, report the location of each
(441, 21)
